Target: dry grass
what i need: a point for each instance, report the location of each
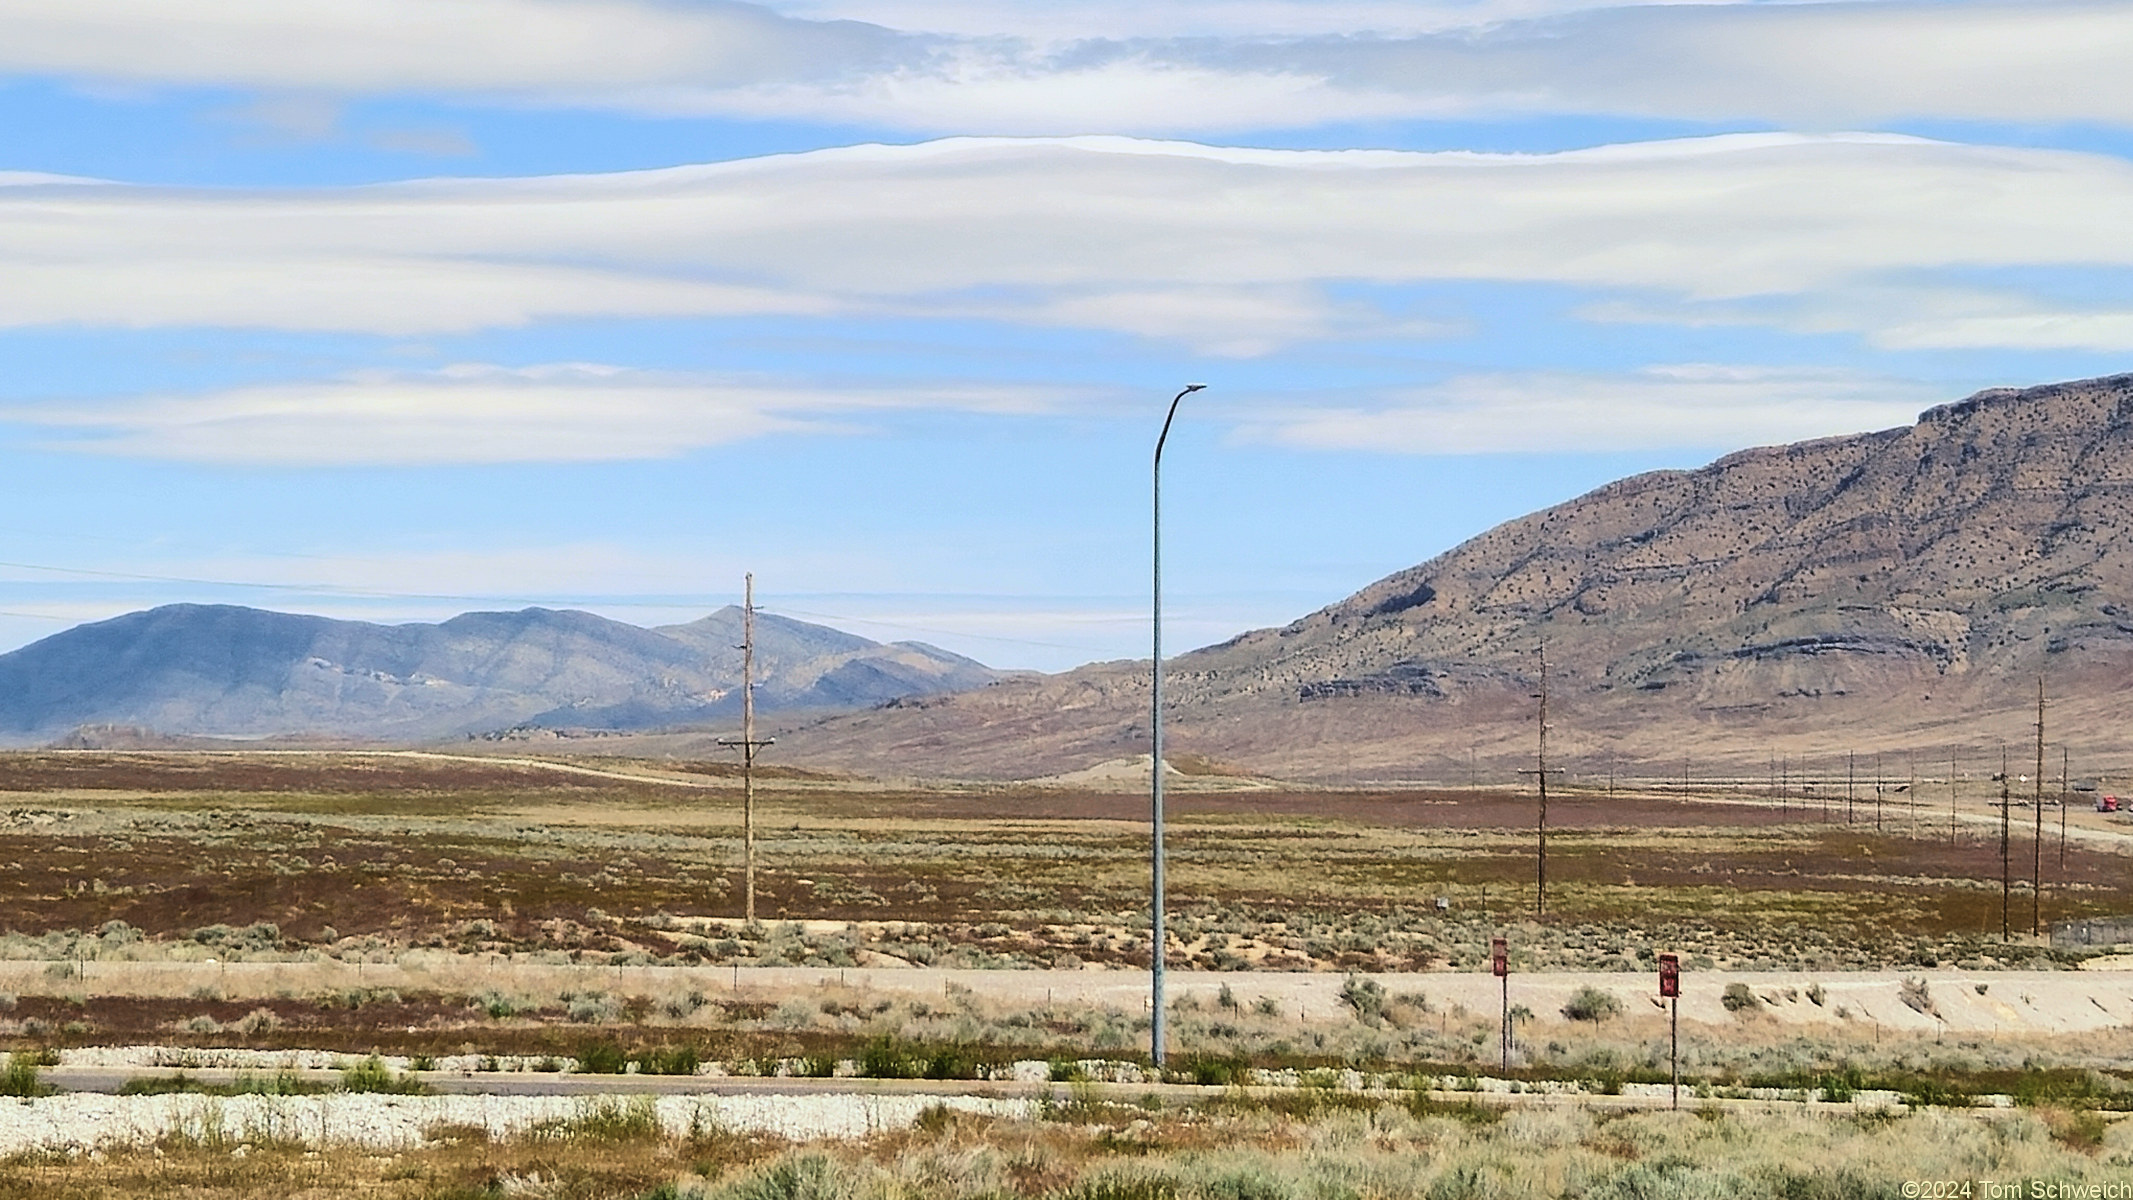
(1090, 1150)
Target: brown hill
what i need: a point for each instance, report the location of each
(1897, 591)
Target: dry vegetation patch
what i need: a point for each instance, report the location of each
(1392, 1148)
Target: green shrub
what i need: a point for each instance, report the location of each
(1922, 1093)
(1739, 998)
(670, 1060)
(1840, 1087)
(802, 1177)
(602, 1058)
(372, 1075)
(1365, 996)
(883, 1058)
(606, 1119)
(1213, 1072)
(1592, 1004)
(951, 1062)
(21, 1077)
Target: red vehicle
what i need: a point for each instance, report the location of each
(2106, 804)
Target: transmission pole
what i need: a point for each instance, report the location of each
(748, 744)
(1878, 787)
(1851, 774)
(2006, 867)
(2036, 847)
(2064, 755)
(1540, 854)
(1910, 793)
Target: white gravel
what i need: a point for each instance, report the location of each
(86, 1121)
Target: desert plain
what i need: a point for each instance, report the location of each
(427, 974)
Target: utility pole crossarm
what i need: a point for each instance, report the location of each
(748, 743)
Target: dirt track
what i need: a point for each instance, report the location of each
(2011, 1002)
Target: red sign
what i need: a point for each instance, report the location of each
(1499, 957)
(1669, 975)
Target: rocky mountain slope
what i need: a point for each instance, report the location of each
(1895, 592)
(225, 671)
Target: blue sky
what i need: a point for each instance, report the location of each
(396, 309)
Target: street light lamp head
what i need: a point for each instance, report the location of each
(1195, 387)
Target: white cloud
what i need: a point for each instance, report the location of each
(1232, 251)
(1694, 405)
(477, 414)
(598, 49)
(1111, 66)
(1066, 21)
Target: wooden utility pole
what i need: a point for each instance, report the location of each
(2006, 864)
(748, 744)
(1851, 776)
(1878, 788)
(1951, 797)
(1910, 792)
(2064, 755)
(1540, 855)
(2036, 846)
(1541, 771)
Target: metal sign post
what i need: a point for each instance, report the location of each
(1500, 963)
(1670, 989)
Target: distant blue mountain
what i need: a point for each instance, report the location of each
(226, 671)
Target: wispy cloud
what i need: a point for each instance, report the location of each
(1111, 66)
(600, 51)
(484, 414)
(1069, 21)
(1232, 251)
(1691, 405)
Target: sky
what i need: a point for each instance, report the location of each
(398, 309)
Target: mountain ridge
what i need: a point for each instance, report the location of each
(1886, 588)
(194, 670)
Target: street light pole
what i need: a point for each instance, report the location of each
(1156, 931)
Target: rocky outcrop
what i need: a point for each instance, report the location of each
(1902, 588)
